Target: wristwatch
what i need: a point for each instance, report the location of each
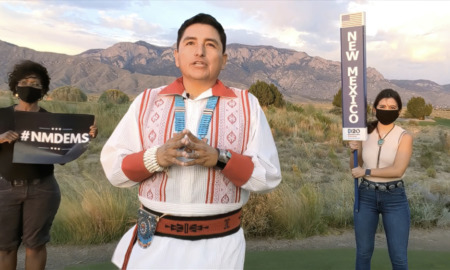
(224, 157)
(368, 172)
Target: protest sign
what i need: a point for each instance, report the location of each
(49, 138)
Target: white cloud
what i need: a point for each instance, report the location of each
(408, 39)
(405, 39)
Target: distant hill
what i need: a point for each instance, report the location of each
(132, 67)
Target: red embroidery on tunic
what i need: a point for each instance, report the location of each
(150, 195)
(225, 199)
(228, 130)
(152, 136)
(232, 103)
(232, 118)
(231, 137)
(155, 117)
(159, 102)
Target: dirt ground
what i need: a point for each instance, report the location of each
(435, 239)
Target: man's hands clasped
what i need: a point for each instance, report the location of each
(187, 145)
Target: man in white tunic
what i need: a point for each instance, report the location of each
(197, 149)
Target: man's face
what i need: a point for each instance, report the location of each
(199, 56)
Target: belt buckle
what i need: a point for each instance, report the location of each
(392, 186)
(382, 187)
(372, 186)
(146, 227)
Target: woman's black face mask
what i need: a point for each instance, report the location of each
(29, 94)
(387, 117)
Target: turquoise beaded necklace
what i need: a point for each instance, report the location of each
(180, 115)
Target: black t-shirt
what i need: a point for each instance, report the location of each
(12, 171)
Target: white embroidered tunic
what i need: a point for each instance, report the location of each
(238, 124)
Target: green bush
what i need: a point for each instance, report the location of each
(337, 99)
(427, 157)
(267, 94)
(114, 96)
(68, 93)
(417, 108)
(431, 172)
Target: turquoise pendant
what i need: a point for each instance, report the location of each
(380, 142)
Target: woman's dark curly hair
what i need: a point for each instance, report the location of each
(27, 68)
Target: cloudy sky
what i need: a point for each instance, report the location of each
(405, 39)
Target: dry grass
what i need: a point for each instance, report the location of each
(441, 113)
(316, 193)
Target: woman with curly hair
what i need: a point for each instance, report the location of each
(29, 193)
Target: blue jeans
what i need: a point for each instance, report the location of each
(394, 208)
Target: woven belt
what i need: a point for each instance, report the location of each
(195, 228)
(382, 186)
(191, 228)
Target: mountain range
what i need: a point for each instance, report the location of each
(133, 67)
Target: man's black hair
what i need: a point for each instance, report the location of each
(203, 18)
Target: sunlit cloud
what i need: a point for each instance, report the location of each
(405, 39)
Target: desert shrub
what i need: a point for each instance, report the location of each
(431, 172)
(338, 201)
(7, 99)
(337, 99)
(114, 96)
(93, 212)
(297, 213)
(68, 93)
(256, 218)
(424, 212)
(417, 108)
(267, 94)
(427, 157)
(444, 142)
(290, 107)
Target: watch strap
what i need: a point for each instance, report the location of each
(223, 158)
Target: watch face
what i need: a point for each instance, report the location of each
(224, 156)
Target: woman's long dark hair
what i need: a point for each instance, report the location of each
(385, 93)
